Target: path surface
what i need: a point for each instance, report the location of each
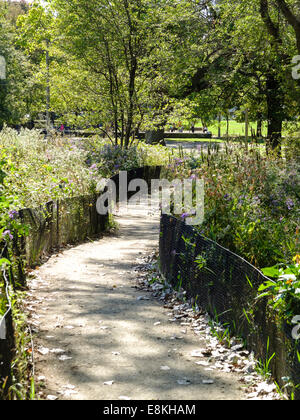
(193, 145)
(93, 328)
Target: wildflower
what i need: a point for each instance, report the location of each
(184, 216)
(7, 233)
(296, 259)
(290, 204)
(227, 197)
(256, 200)
(13, 214)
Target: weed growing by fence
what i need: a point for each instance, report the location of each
(251, 202)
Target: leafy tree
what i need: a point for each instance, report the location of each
(239, 63)
(36, 36)
(291, 11)
(114, 56)
(14, 88)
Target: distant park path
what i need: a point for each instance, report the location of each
(193, 145)
(99, 340)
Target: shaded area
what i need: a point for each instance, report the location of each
(225, 285)
(92, 289)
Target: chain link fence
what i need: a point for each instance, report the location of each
(225, 286)
(51, 226)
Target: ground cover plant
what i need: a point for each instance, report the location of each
(252, 202)
(252, 206)
(38, 170)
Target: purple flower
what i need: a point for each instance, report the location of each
(184, 216)
(7, 233)
(227, 197)
(290, 204)
(94, 166)
(13, 214)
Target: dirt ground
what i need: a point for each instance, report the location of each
(100, 338)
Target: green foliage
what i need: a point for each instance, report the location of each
(251, 202)
(14, 89)
(39, 170)
(201, 263)
(42, 170)
(22, 387)
(263, 366)
(284, 291)
(9, 224)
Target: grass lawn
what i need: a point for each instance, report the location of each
(235, 128)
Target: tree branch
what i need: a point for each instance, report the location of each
(292, 19)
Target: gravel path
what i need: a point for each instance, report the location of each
(98, 336)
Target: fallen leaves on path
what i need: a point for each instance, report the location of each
(164, 368)
(227, 355)
(108, 383)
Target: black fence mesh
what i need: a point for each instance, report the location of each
(51, 226)
(225, 285)
(7, 345)
(59, 223)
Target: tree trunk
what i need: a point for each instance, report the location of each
(293, 20)
(219, 126)
(227, 126)
(275, 112)
(246, 129)
(259, 125)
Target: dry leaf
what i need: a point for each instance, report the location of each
(69, 386)
(51, 397)
(57, 351)
(202, 363)
(63, 358)
(109, 383)
(43, 351)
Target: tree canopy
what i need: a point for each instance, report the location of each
(131, 65)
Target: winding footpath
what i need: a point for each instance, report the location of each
(97, 338)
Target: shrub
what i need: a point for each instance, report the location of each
(251, 202)
(38, 170)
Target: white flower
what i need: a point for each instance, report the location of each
(287, 277)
